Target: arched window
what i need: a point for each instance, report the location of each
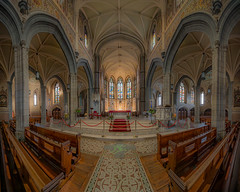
(182, 93)
(192, 95)
(111, 89)
(56, 93)
(129, 89)
(202, 98)
(85, 37)
(153, 37)
(35, 99)
(159, 99)
(120, 88)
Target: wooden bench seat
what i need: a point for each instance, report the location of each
(192, 150)
(33, 177)
(75, 140)
(59, 153)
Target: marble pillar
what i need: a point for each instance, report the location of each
(166, 89)
(142, 84)
(197, 104)
(73, 97)
(230, 100)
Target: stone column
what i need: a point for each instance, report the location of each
(230, 100)
(21, 89)
(9, 100)
(166, 89)
(197, 104)
(148, 98)
(73, 97)
(142, 83)
(43, 106)
(218, 88)
(96, 104)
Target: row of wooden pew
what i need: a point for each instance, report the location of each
(45, 158)
(177, 137)
(203, 176)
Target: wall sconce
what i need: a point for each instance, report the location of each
(68, 86)
(203, 76)
(23, 5)
(171, 86)
(29, 92)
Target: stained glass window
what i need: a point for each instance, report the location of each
(182, 92)
(202, 98)
(57, 93)
(85, 37)
(111, 89)
(159, 99)
(120, 88)
(35, 99)
(129, 88)
(192, 95)
(153, 38)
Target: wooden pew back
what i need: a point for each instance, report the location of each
(32, 175)
(75, 140)
(182, 153)
(176, 137)
(202, 176)
(59, 152)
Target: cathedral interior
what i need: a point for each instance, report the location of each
(119, 95)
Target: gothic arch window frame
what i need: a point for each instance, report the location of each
(85, 36)
(111, 88)
(128, 88)
(120, 85)
(182, 92)
(56, 93)
(153, 34)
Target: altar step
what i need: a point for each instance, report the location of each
(119, 125)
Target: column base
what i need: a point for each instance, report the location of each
(20, 135)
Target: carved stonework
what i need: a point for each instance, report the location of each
(237, 97)
(163, 113)
(3, 98)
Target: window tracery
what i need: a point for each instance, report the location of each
(111, 89)
(182, 92)
(129, 89)
(57, 93)
(120, 88)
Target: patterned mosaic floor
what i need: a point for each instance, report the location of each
(119, 169)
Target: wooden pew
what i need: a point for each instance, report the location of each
(162, 153)
(57, 152)
(75, 140)
(192, 150)
(201, 178)
(34, 119)
(32, 175)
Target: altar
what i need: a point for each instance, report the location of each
(120, 114)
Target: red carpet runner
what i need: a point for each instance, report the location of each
(119, 125)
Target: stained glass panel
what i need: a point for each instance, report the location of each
(129, 89)
(202, 98)
(57, 93)
(120, 88)
(159, 99)
(111, 89)
(35, 99)
(182, 94)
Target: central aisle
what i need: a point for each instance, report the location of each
(119, 169)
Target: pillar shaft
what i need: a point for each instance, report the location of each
(218, 89)
(43, 106)
(21, 89)
(9, 100)
(166, 89)
(230, 100)
(73, 97)
(142, 84)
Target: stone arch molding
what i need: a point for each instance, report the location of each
(154, 64)
(41, 22)
(9, 17)
(228, 20)
(84, 63)
(201, 22)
